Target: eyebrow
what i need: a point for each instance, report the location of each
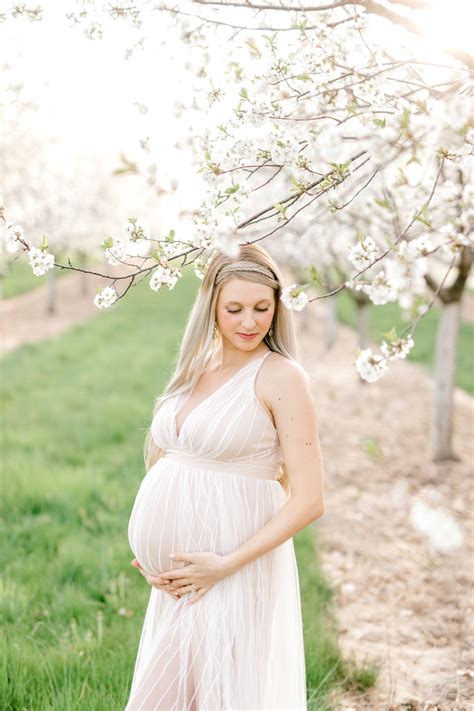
(239, 304)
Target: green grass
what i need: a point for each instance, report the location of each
(20, 279)
(325, 669)
(76, 409)
(382, 318)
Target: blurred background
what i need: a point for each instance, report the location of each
(385, 582)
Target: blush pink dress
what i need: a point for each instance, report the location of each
(240, 646)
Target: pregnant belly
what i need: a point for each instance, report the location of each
(174, 511)
(181, 509)
(153, 525)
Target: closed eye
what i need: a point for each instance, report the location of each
(237, 311)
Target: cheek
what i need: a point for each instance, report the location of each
(228, 321)
(266, 318)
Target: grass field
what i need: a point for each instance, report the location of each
(382, 318)
(75, 411)
(19, 278)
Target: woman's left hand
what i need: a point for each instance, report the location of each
(204, 569)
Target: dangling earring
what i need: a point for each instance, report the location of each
(270, 330)
(214, 332)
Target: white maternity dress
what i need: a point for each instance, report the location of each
(241, 645)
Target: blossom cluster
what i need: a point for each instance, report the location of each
(371, 366)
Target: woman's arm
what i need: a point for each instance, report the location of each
(288, 395)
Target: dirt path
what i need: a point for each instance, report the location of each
(399, 602)
(25, 318)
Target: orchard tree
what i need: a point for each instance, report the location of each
(325, 123)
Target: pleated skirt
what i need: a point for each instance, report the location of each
(241, 645)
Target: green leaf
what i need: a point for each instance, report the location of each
(371, 447)
(383, 203)
(252, 45)
(281, 208)
(405, 119)
(422, 216)
(390, 335)
(314, 275)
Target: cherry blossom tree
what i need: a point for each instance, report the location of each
(323, 130)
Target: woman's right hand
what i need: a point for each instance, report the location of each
(137, 565)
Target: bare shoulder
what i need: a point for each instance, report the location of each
(283, 372)
(280, 381)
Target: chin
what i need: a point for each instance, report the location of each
(245, 345)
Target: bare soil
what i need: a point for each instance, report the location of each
(26, 318)
(399, 603)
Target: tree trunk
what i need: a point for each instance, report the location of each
(51, 307)
(84, 279)
(444, 381)
(330, 323)
(363, 324)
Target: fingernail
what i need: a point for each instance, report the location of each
(172, 555)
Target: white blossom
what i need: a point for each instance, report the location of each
(398, 348)
(117, 252)
(370, 366)
(40, 261)
(363, 253)
(228, 244)
(294, 298)
(106, 297)
(382, 290)
(164, 275)
(135, 230)
(12, 233)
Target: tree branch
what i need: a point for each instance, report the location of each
(371, 7)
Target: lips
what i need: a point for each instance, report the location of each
(247, 335)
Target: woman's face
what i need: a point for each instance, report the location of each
(244, 307)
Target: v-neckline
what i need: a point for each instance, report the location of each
(208, 397)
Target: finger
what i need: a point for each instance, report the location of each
(185, 589)
(137, 565)
(162, 588)
(174, 585)
(178, 572)
(155, 580)
(186, 557)
(200, 593)
(175, 597)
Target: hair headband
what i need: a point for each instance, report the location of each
(246, 266)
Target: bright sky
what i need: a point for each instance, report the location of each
(92, 87)
(450, 24)
(86, 91)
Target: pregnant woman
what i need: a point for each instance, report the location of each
(234, 470)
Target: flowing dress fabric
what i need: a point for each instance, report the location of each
(241, 645)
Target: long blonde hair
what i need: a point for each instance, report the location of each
(197, 342)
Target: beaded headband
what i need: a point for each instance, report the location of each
(243, 265)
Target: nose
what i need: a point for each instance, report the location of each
(248, 321)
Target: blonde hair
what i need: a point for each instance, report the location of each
(253, 263)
